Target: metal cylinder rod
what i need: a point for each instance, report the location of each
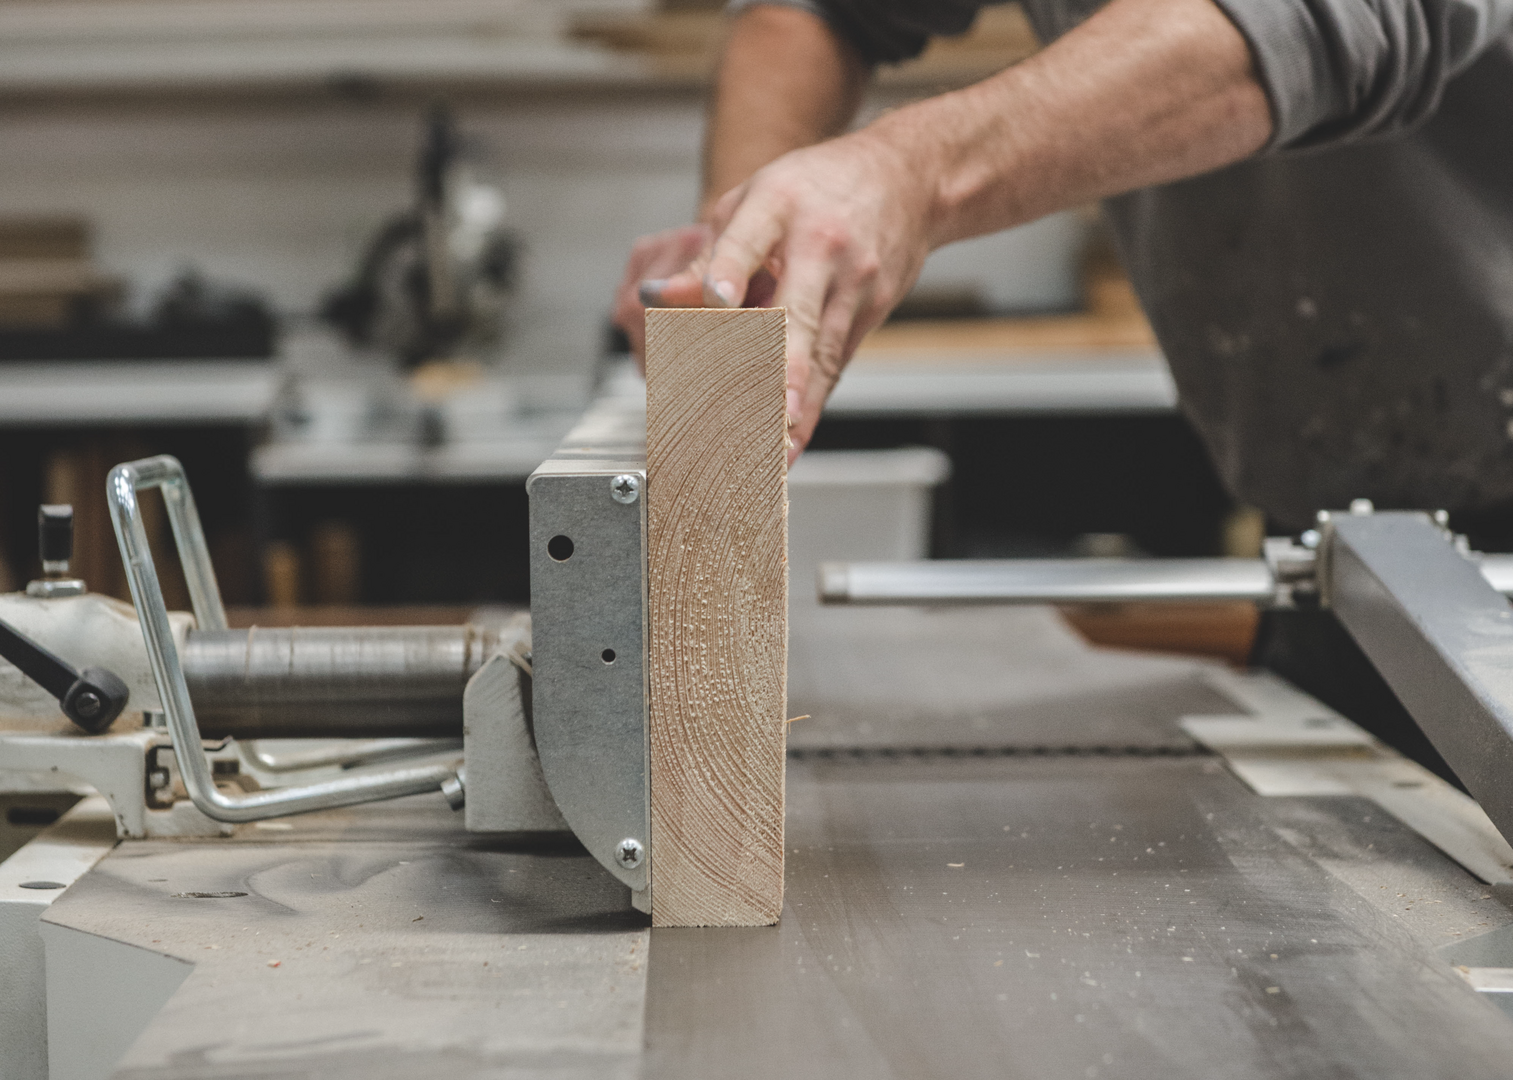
(348, 753)
(1046, 581)
(1071, 581)
(333, 682)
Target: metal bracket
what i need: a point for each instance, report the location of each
(588, 615)
(1293, 567)
(115, 766)
(1441, 635)
(167, 474)
(506, 789)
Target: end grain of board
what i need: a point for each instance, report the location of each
(717, 612)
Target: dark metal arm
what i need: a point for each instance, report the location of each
(92, 698)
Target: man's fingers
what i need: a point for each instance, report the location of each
(681, 290)
(761, 290)
(825, 292)
(741, 250)
(804, 289)
(657, 258)
(675, 278)
(828, 356)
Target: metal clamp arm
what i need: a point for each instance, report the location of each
(92, 698)
(152, 612)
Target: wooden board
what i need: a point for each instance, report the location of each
(717, 613)
(1227, 631)
(997, 339)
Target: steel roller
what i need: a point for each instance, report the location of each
(333, 682)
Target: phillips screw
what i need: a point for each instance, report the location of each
(625, 488)
(629, 853)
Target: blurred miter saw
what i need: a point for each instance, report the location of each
(437, 280)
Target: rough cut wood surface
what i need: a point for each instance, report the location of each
(717, 563)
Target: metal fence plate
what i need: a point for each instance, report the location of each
(588, 602)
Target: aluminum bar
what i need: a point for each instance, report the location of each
(1441, 636)
(1045, 581)
(349, 754)
(1070, 581)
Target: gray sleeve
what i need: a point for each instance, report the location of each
(1340, 70)
(885, 31)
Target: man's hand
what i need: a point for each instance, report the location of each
(1143, 92)
(653, 259)
(842, 229)
(786, 80)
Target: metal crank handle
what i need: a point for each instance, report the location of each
(166, 473)
(91, 698)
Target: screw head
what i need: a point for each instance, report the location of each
(88, 704)
(629, 853)
(625, 488)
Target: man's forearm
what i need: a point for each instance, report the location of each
(786, 80)
(1145, 92)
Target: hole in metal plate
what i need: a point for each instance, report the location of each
(560, 548)
(608, 656)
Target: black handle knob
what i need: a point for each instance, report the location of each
(55, 535)
(92, 698)
(95, 699)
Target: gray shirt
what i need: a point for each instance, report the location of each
(1337, 311)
